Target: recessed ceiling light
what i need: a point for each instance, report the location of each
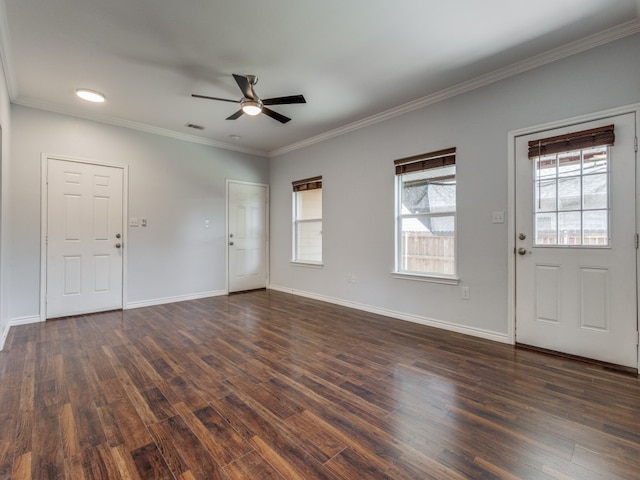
(90, 95)
(234, 137)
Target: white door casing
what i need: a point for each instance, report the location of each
(84, 237)
(247, 235)
(580, 300)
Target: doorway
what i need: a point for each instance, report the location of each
(575, 240)
(83, 237)
(247, 235)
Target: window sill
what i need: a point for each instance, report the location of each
(298, 263)
(442, 279)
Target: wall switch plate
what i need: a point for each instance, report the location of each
(206, 224)
(497, 217)
(143, 222)
(465, 293)
(133, 222)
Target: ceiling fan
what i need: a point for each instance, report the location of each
(252, 104)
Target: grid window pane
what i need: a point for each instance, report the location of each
(572, 198)
(569, 164)
(569, 193)
(569, 228)
(547, 228)
(596, 195)
(546, 198)
(596, 227)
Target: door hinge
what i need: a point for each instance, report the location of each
(637, 241)
(635, 143)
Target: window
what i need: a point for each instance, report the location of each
(426, 214)
(307, 220)
(571, 184)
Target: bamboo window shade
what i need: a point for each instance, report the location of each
(307, 184)
(595, 137)
(426, 161)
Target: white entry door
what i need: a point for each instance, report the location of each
(247, 235)
(575, 246)
(84, 238)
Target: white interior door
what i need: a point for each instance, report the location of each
(575, 244)
(247, 231)
(84, 238)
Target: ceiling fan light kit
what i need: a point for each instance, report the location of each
(252, 104)
(251, 107)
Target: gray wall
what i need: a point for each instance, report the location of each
(358, 189)
(175, 185)
(4, 203)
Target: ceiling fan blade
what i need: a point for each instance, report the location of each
(235, 115)
(245, 86)
(284, 100)
(215, 98)
(275, 115)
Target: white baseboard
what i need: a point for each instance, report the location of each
(430, 322)
(178, 298)
(14, 323)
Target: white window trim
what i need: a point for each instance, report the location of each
(427, 277)
(294, 235)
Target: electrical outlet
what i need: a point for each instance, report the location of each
(351, 278)
(133, 222)
(497, 217)
(465, 293)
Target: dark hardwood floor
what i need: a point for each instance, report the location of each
(266, 385)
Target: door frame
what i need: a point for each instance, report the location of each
(44, 216)
(511, 190)
(226, 233)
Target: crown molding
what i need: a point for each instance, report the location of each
(550, 56)
(142, 127)
(6, 59)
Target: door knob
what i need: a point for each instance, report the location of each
(522, 251)
(118, 245)
(230, 243)
(117, 235)
(522, 236)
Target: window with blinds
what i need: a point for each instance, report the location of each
(307, 220)
(571, 184)
(426, 213)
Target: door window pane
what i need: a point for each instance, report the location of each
(596, 227)
(596, 195)
(546, 229)
(569, 195)
(572, 198)
(569, 228)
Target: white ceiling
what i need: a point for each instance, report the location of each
(355, 61)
